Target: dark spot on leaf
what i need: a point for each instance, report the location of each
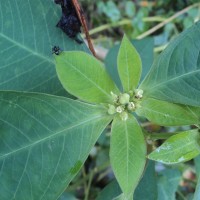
(76, 167)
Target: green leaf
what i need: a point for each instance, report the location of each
(147, 186)
(27, 34)
(44, 141)
(175, 75)
(111, 191)
(85, 77)
(130, 9)
(144, 48)
(178, 148)
(67, 196)
(111, 10)
(168, 114)
(167, 182)
(129, 65)
(127, 153)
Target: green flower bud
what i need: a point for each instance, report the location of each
(114, 97)
(124, 98)
(119, 109)
(124, 116)
(131, 106)
(111, 109)
(138, 93)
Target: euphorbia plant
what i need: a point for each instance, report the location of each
(45, 137)
(86, 78)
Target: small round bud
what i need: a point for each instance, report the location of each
(124, 116)
(111, 109)
(124, 98)
(138, 93)
(119, 109)
(114, 97)
(131, 106)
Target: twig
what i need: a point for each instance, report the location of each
(160, 25)
(82, 19)
(87, 176)
(87, 191)
(84, 178)
(124, 22)
(181, 195)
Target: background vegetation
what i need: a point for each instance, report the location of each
(157, 23)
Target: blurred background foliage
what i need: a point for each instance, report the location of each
(108, 20)
(155, 23)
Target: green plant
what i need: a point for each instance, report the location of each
(45, 139)
(167, 97)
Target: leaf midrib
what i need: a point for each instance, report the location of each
(53, 135)
(90, 80)
(127, 68)
(175, 150)
(127, 153)
(169, 116)
(172, 79)
(27, 49)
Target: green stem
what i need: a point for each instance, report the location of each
(160, 25)
(160, 48)
(85, 181)
(87, 176)
(87, 191)
(124, 22)
(110, 25)
(181, 195)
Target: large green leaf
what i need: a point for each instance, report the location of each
(167, 182)
(175, 75)
(27, 34)
(129, 65)
(168, 114)
(44, 141)
(85, 77)
(144, 47)
(178, 148)
(127, 153)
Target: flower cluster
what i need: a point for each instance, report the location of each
(125, 103)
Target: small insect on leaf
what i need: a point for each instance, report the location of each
(56, 50)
